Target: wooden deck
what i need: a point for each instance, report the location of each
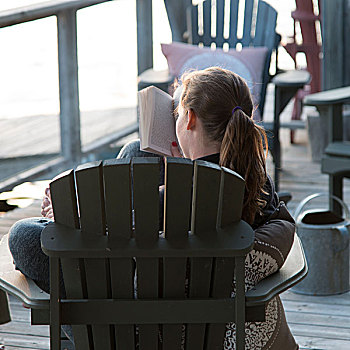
(316, 322)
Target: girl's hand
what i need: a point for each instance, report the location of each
(175, 150)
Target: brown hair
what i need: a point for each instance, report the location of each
(212, 94)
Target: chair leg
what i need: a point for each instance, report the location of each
(240, 304)
(55, 324)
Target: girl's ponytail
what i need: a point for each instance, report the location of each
(242, 151)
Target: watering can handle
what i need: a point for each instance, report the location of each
(306, 200)
(344, 234)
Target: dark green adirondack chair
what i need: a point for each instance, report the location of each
(106, 233)
(259, 30)
(336, 157)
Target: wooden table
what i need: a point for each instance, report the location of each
(286, 86)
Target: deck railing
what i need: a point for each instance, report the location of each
(65, 11)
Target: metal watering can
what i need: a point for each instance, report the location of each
(325, 238)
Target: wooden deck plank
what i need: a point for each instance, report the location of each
(47, 128)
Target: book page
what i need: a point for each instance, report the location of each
(157, 124)
(162, 132)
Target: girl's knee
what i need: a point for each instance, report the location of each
(130, 149)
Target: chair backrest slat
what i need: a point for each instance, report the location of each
(206, 37)
(231, 197)
(232, 40)
(199, 287)
(89, 181)
(248, 20)
(91, 198)
(75, 285)
(146, 198)
(265, 34)
(220, 22)
(97, 280)
(146, 207)
(147, 273)
(64, 200)
(117, 187)
(122, 284)
(205, 199)
(194, 38)
(177, 197)
(174, 280)
(221, 287)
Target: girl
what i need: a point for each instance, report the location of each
(213, 123)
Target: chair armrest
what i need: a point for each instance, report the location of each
(161, 79)
(295, 79)
(14, 282)
(329, 97)
(293, 271)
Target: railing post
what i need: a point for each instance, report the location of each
(68, 81)
(144, 35)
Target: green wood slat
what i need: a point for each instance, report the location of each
(206, 38)
(232, 187)
(75, 285)
(174, 271)
(265, 29)
(90, 195)
(122, 283)
(205, 200)
(248, 19)
(146, 199)
(117, 185)
(220, 15)
(90, 190)
(221, 288)
(177, 213)
(177, 204)
(194, 25)
(206, 190)
(147, 288)
(55, 312)
(64, 200)
(199, 287)
(97, 279)
(232, 40)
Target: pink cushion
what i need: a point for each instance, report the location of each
(248, 63)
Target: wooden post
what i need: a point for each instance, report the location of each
(68, 81)
(335, 29)
(346, 43)
(144, 35)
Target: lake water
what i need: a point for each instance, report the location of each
(106, 54)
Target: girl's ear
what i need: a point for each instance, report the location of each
(192, 120)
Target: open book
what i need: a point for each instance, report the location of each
(157, 123)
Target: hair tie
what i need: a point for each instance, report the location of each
(237, 107)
